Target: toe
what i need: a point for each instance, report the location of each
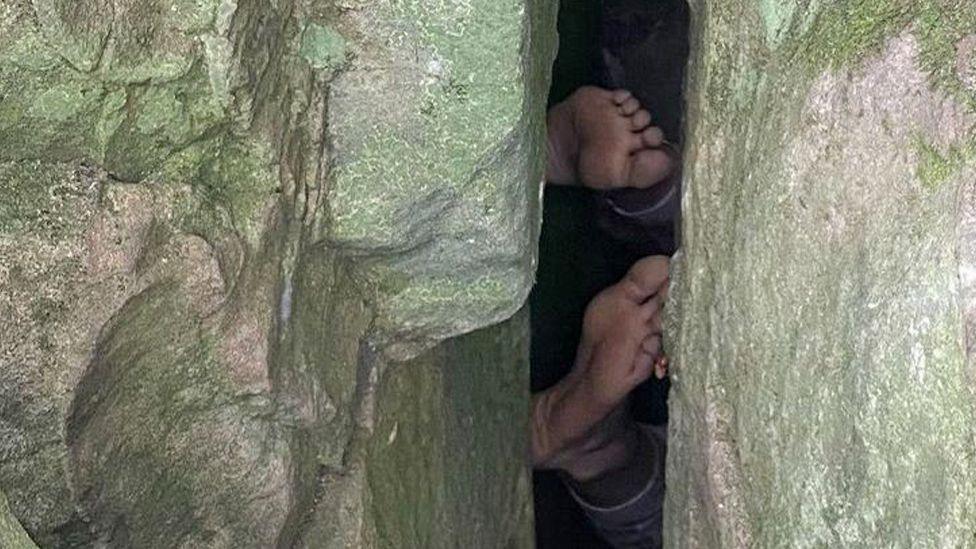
(640, 120)
(644, 362)
(648, 167)
(652, 346)
(652, 137)
(648, 311)
(645, 278)
(662, 291)
(620, 96)
(630, 106)
(655, 324)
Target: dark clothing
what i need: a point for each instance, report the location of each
(636, 523)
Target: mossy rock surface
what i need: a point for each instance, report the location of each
(206, 263)
(821, 320)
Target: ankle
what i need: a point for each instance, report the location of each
(562, 417)
(607, 447)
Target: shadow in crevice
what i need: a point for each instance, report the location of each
(640, 45)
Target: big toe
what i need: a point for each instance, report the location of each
(647, 278)
(649, 167)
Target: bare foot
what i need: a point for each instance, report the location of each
(620, 344)
(603, 139)
(621, 341)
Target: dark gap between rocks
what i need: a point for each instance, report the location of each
(640, 45)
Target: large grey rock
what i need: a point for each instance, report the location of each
(823, 309)
(223, 223)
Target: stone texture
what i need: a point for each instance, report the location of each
(454, 163)
(966, 62)
(473, 390)
(225, 227)
(12, 535)
(821, 318)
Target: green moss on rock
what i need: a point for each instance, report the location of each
(323, 47)
(154, 362)
(440, 453)
(437, 160)
(43, 198)
(941, 25)
(48, 114)
(845, 32)
(817, 314)
(935, 168)
(191, 214)
(240, 180)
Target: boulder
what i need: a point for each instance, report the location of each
(822, 319)
(233, 235)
